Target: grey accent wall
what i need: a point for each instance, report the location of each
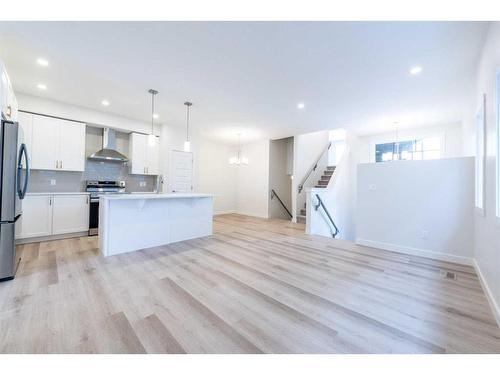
(40, 181)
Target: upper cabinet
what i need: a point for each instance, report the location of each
(144, 157)
(25, 121)
(8, 98)
(57, 144)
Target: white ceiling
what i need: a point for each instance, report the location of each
(249, 76)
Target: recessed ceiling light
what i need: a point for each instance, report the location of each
(301, 106)
(105, 103)
(416, 70)
(42, 62)
(41, 86)
(156, 115)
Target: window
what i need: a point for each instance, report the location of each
(480, 143)
(417, 149)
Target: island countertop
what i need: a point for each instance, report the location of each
(129, 222)
(154, 196)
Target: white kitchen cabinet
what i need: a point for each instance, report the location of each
(45, 143)
(57, 144)
(25, 121)
(144, 158)
(8, 99)
(70, 214)
(47, 215)
(153, 158)
(72, 146)
(36, 220)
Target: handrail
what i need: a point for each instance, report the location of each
(313, 168)
(273, 194)
(320, 203)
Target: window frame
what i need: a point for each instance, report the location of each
(442, 145)
(497, 145)
(480, 124)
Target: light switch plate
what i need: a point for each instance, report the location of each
(372, 187)
(52, 181)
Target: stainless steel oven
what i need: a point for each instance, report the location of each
(96, 190)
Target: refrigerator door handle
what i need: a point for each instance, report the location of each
(23, 151)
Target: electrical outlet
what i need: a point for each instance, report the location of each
(372, 187)
(424, 235)
(142, 183)
(52, 182)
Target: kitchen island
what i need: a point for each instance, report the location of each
(129, 222)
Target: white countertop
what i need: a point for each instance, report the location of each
(115, 197)
(60, 193)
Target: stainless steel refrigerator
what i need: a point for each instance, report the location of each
(14, 177)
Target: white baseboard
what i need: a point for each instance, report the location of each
(417, 252)
(489, 295)
(224, 212)
(20, 241)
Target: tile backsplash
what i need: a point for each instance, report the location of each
(42, 181)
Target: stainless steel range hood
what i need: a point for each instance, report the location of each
(108, 151)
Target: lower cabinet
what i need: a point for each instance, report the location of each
(70, 214)
(46, 215)
(36, 220)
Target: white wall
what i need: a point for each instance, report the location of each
(54, 108)
(252, 187)
(212, 173)
(487, 227)
(398, 202)
(450, 134)
(306, 150)
(279, 176)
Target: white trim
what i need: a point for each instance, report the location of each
(414, 251)
(224, 212)
(54, 237)
(495, 308)
(497, 151)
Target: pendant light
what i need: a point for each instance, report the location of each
(151, 137)
(238, 159)
(187, 144)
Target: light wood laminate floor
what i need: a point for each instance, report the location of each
(255, 286)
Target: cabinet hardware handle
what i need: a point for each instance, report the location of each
(61, 164)
(50, 201)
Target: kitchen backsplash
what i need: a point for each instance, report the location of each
(41, 181)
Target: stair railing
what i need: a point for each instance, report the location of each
(335, 230)
(313, 167)
(274, 194)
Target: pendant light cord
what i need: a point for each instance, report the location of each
(188, 105)
(153, 94)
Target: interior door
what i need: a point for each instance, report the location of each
(181, 171)
(72, 146)
(45, 142)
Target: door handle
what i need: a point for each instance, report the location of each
(9, 111)
(22, 151)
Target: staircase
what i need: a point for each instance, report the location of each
(322, 183)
